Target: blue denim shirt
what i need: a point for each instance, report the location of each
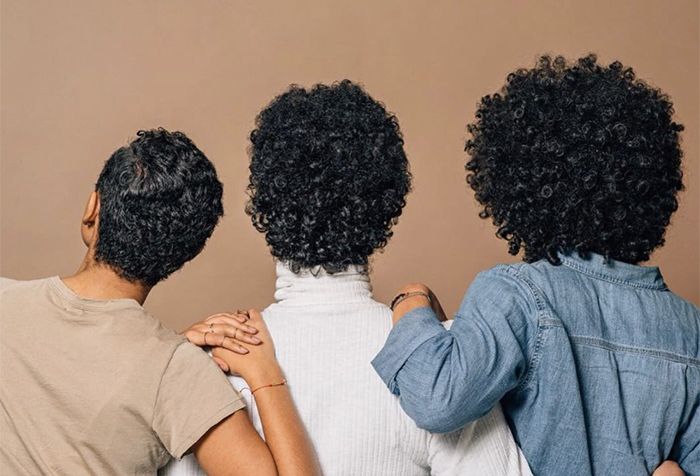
(596, 365)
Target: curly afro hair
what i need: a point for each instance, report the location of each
(160, 200)
(576, 158)
(328, 176)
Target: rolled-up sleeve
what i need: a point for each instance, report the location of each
(448, 378)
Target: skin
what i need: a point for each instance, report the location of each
(413, 302)
(284, 432)
(233, 446)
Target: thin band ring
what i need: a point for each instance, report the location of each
(234, 333)
(205, 337)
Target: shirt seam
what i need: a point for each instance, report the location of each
(544, 321)
(659, 354)
(603, 277)
(95, 305)
(160, 382)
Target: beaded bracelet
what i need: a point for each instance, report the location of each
(283, 382)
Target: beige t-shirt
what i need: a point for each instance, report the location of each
(98, 387)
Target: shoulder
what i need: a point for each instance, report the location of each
(5, 283)
(506, 285)
(147, 339)
(16, 285)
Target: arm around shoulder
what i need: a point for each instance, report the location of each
(484, 355)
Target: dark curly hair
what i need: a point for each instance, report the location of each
(328, 176)
(576, 158)
(160, 200)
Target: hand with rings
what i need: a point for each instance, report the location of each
(228, 330)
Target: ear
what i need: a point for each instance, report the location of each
(91, 218)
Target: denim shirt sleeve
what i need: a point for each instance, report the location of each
(448, 378)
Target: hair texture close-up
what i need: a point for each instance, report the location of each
(160, 200)
(576, 157)
(328, 176)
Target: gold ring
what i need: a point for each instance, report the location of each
(243, 313)
(205, 337)
(234, 333)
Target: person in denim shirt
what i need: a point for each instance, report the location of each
(595, 361)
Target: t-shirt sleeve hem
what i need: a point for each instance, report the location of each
(210, 422)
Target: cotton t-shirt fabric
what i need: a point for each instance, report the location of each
(98, 387)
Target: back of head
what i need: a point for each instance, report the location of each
(160, 200)
(577, 157)
(328, 176)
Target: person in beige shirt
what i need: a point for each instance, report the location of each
(93, 384)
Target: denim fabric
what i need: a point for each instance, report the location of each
(596, 365)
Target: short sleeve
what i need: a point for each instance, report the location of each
(193, 396)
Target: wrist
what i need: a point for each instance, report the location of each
(264, 375)
(414, 287)
(408, 305)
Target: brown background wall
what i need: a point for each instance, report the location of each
(80, 77)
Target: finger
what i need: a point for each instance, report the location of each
(221, 363)
(236, 332)
(230, 344)
(228, 326)
(227, 319)
(243, 315)
(255, 316)
(668, 468)
(195, 337)
(256, 319)
(224, 314)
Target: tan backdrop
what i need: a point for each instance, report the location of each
(80, 77)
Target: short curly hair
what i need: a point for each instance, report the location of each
(160, 200)
(328, 176)
(576, 157)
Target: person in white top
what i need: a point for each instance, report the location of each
(328, 180)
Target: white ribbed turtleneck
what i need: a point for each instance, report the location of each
(327, 328)
(316, 286)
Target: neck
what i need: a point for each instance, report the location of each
(97, 281)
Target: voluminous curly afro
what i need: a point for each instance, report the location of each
(328, 176)
(576, 158)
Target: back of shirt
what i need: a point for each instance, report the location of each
(595, 363)
(98, 386)
(632, 353)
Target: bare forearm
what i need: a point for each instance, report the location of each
(285, 434)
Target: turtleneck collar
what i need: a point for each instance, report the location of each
(316, 286)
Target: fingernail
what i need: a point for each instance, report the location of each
(243, 350)
(251, 330)
(255, 340)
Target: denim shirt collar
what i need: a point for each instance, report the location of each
(648, 277)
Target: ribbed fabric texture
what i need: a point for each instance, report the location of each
(327, 329)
